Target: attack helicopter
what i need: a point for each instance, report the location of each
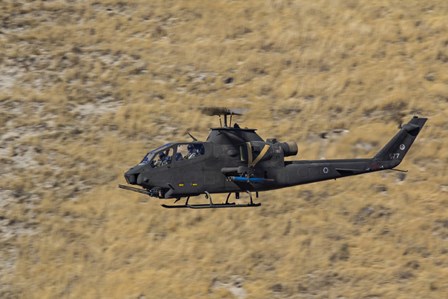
(237, 160)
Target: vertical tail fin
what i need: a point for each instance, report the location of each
(395, 150)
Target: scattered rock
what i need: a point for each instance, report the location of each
(444, 188)
(370, 212)
(430, 77)
(319, 281)
(309, 97)
(284, 112)
(234, 285)
(405, 275)
(343, 254)
(333, 134)
(433, 286)
(401, 176)
(380, 188)
(440, 228)
(442, 56)
(366, 146)
(277, 288)
(228, 80)
(413, 265)
(419, 250)
(442, 223)
(306, 195)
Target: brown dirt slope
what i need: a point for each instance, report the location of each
(88, 87)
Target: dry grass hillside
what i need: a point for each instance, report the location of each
(88, 87)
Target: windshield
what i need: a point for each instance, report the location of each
(149, 156)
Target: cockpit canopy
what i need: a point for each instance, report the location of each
(173, 152)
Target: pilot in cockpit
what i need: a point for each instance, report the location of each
(192, 151)
(164, 158)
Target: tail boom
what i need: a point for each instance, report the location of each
(390, 156)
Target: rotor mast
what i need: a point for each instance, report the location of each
(225, 120)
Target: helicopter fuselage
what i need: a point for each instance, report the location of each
(234, 160)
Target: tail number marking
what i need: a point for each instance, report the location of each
(394, 156)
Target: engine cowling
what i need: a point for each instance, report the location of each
(289, 148)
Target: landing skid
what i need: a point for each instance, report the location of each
(212, 205)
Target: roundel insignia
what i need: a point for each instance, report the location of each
(325, 169)
(402, 147)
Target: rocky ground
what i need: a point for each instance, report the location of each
(87, 88)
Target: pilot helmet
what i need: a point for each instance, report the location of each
(190, 147)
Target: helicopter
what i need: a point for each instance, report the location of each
(237, 160)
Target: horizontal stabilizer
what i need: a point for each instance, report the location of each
(348, 171)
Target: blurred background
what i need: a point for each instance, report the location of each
(88, 87)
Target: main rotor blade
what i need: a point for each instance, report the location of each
(210, 111)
